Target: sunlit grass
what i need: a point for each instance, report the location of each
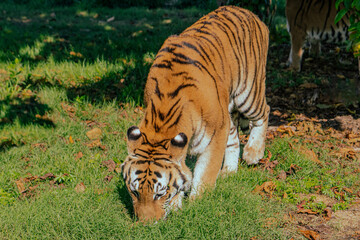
(65, 71)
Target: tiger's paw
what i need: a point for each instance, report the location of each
(252, 154)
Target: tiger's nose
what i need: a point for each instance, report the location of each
(149, 214)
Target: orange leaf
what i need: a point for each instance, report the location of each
(307, 211)
(328, 213)
(71, 140)
(282, 175)
(266, 187)
(80, 188)
(110, 164)
(20, 185)
(94, 133)
(79, 155)
(309, 234)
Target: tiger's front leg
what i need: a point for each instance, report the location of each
(209, 162)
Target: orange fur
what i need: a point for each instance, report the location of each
(216, 67)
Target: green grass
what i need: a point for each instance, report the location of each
(65, 71)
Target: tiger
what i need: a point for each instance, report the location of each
(201, 85)
(313, 20)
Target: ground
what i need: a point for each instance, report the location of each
(323, 97)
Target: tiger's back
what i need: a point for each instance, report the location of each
(215, 69)
(313, 20)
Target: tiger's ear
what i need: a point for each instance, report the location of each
(133, 133)
(133, 136)
(179, 140)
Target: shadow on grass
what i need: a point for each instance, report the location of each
(25, 111)
(111, 86)
(74, 34)
(125, 198)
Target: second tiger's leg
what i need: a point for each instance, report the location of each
(298, 38)
(315, 47)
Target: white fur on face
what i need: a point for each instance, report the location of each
(160, 187)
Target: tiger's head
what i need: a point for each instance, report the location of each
(154, 176)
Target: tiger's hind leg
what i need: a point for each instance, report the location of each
(255, 147)
(315, 47)
(298, 37)
(258, 114)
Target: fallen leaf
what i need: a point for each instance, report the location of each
(282, 175)
(307, 211)
(71, 140)
(79, 155)
(47, 176)
(20, 185)
(327, 213)
(95, 143)
(348, 190)
(94, 133)
(267, 188)
(80, 188)
(110, 19)
(310, 154)
(75, 54)
(43, 146)
(340, 76)
(108, 178)
(309, 234)
(69, 110)
(267, 158)
(293, 168)
(110, 164)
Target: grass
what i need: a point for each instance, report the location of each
(65, 71)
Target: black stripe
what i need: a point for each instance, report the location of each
(176, 121)
(191, 46)
(172, 115)
(139, 162)
(158, 164)
(141, 150)
(157, 90)
(161, 65)
(182, 86)
(167, 49)
(153, 112)
(178, 74)
(232, 145)
(161, 116)
(172, 107)
(175, 185)
(158, 174)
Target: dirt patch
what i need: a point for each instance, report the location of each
(321, 102)
(343, 224)
(327, 87)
